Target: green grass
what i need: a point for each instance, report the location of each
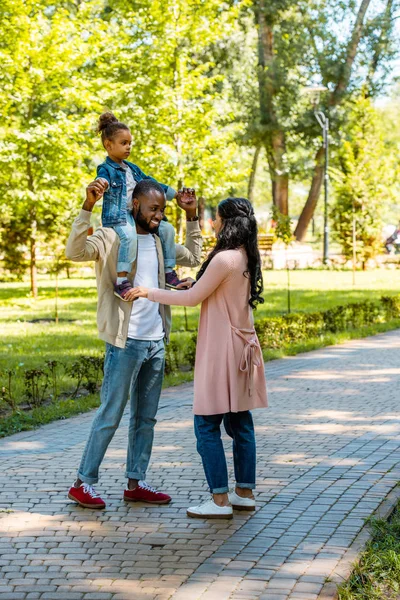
(376, 575)
(25, 344)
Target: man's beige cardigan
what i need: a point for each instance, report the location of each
(112, 313)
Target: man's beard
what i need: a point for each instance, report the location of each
(141, 221)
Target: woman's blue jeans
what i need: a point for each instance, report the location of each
(239, 426)
(136, 371)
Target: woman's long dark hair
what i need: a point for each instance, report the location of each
(239, 228)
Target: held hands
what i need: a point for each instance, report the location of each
(186, 199)
(94, 192)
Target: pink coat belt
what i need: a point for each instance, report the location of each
(251, 355)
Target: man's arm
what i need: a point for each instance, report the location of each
(80, 247)
(189, 255)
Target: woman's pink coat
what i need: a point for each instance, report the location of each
(229, 371)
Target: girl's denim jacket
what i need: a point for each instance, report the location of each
(115, 200)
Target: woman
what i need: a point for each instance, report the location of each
(229, 377)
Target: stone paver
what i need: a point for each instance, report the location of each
(328, 453)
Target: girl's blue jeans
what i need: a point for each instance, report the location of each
(128, 245)
(239, 426)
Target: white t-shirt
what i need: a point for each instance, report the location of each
(145, 322)
(130, 185)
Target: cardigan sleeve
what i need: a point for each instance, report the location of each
(217, 271)
(80, 246)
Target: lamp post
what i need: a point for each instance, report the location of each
(323, 122)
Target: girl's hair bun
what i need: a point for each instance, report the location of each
(108, 126)
(106, 119)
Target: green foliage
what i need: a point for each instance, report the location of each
(377, 572)
(362, 184)
(45, 116)
(278, 332)
(283, 227)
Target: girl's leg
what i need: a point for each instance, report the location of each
(209, 445)
(127, 248)
(167, 238)
(239, 426)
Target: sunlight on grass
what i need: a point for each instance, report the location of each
(30, 335)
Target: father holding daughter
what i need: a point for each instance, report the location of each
(134, 333)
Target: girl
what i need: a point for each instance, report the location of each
(229, 375)
(122, 177)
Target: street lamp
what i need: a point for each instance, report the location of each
(323, 121)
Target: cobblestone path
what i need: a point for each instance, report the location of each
(328, 453)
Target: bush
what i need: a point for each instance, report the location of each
(277, 332)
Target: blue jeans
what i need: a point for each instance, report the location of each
(128, 245)
(136, 371)
(239, 426)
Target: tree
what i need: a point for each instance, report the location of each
(45, 135)
(362, 183)
(171, 91)
(343, 85)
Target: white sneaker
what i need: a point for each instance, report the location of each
(210, 510)
(239, 503)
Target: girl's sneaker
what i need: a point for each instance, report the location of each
(85, 495)
(121, 290)
(172, 280)
(210, 510)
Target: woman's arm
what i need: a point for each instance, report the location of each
(217, 271)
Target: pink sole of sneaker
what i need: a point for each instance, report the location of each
(95, 506)
(147, 501)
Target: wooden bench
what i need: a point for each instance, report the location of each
(265, 241)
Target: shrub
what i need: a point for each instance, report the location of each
(276, 332)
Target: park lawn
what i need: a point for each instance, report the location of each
(376, 575)
(29, 338)
(31, 343)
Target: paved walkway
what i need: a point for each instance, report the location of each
(328, 453)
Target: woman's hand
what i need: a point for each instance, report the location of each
(185, 284)
(138, 292)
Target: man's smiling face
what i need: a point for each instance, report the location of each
(148, 211)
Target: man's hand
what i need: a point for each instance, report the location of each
(185, 284)
(186, 199)
(94, 192)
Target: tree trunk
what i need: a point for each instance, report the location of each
(252, 178)
(32, 261)
(313, 195)
(33, 232)
(352, 47)
(335, 99)
(381, 46)
(273, 136)
(279, 177)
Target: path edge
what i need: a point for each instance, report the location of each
(345, 567)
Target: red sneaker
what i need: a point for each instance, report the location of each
(145, 493)
(85, 495)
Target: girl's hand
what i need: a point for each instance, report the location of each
(94, 192)
(138, 292)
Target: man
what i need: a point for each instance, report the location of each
(134, 334)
